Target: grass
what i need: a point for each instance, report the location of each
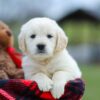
(91, 76)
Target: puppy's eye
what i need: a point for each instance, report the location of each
(49, 36)
(33, 36)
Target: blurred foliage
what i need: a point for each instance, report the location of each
(91, 76)
(82, 31)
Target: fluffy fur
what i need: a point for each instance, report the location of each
(52, 66)
(8, 69)
(6, 38)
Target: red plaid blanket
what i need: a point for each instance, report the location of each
(20, 89)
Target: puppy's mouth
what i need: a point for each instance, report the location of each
(42, 52)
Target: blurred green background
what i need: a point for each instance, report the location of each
(81, 23)
(91, 75)
(82, 32)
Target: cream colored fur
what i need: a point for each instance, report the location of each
(54, 68)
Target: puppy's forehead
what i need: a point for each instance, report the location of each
(42, 25)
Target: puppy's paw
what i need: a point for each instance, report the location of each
(57, 90)
(44, 84)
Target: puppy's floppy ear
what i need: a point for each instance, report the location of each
(61, 41)
(21, 42)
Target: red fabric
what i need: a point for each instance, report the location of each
(16, 57)
(20, 89)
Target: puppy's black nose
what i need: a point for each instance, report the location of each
(41, 46)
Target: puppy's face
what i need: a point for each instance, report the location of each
(40, 42)
(39, 38)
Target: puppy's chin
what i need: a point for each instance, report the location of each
(40, 56)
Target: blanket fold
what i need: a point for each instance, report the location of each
(20, 89)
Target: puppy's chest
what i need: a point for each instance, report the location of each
(49, 70)
(31, 67)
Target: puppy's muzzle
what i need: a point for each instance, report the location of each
(41, 48)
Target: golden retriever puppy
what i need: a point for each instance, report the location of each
(46, 59)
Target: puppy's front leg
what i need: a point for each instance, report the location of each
(59, 81)
(43, 81)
